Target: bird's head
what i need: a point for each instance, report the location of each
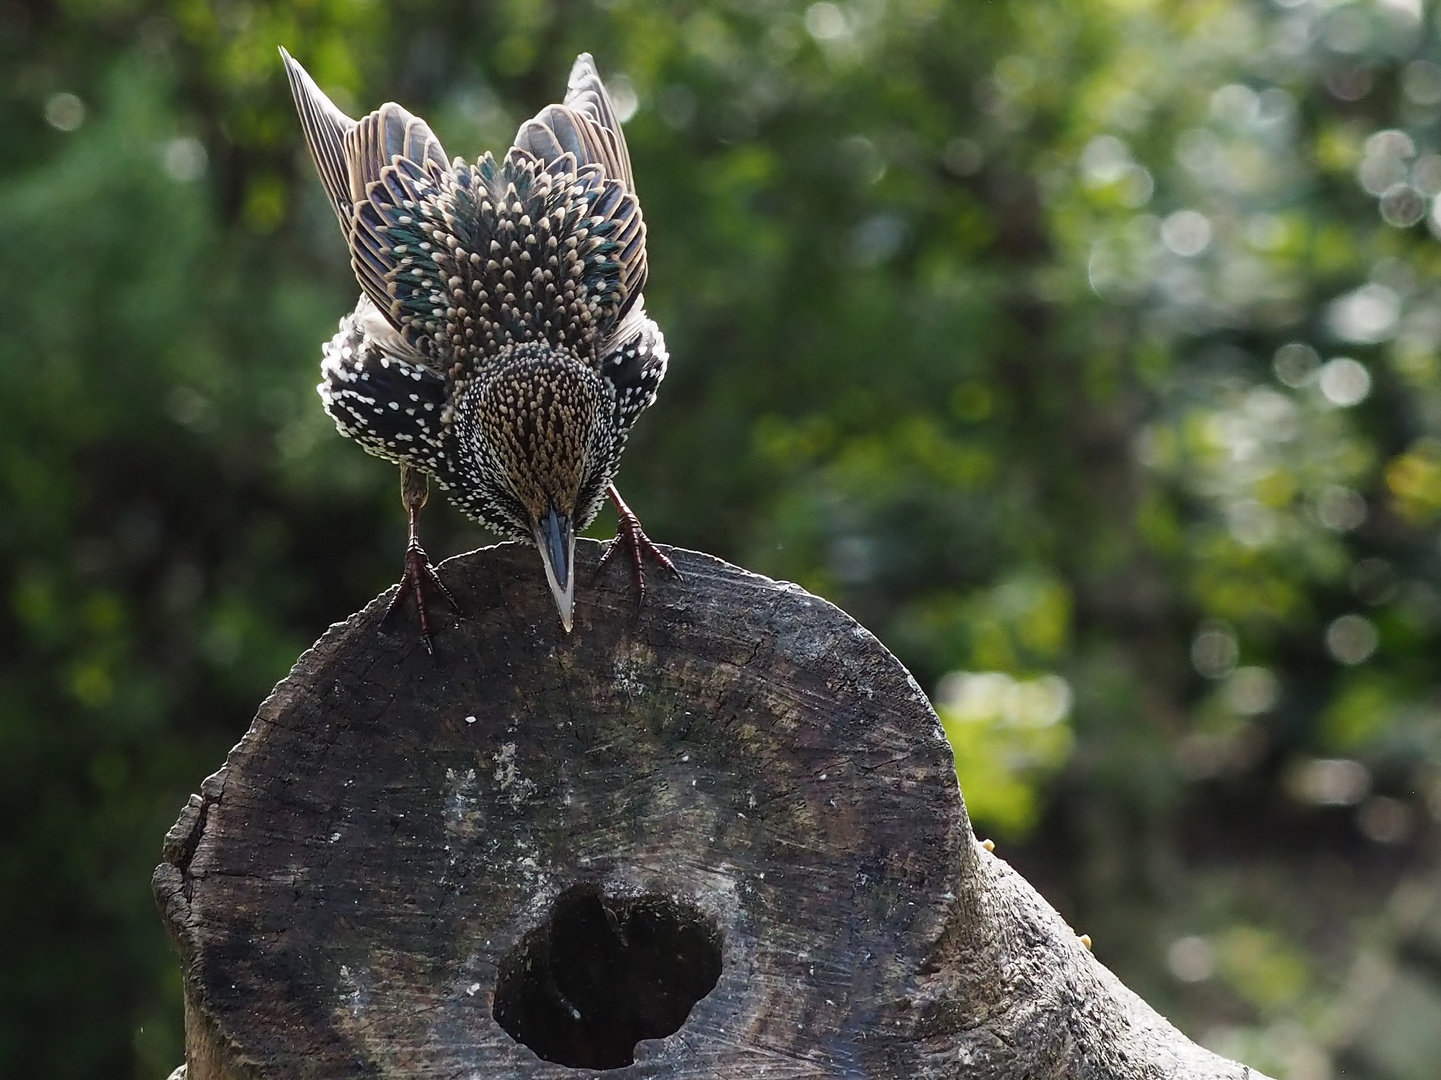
(538, 432)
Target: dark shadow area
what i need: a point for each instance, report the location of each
(603, 973)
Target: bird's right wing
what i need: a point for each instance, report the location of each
(350, 154)
(385, 168)
(326, 129)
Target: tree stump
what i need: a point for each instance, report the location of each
(716, 836)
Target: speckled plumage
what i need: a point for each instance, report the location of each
(500, 344)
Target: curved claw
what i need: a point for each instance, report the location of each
(419, 575)
(629, 532)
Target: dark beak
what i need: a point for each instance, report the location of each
(555, 537)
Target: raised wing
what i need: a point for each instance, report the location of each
(352, 157)
(584, 125)
(349, 154)
(388, 135)
(326, 129)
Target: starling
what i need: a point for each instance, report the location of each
(500, 344)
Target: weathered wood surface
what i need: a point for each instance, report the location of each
(735, 790)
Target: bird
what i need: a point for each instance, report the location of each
(500, 345)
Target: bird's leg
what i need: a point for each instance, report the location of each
(629, 533)
(419, 574)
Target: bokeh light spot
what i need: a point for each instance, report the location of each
(1352, 639)
(64, 111)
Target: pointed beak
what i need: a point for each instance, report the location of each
(555, 537)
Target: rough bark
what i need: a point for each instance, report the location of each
(717, 836)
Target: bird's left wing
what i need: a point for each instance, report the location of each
(583, 135)
(584, 125)
(632, 352)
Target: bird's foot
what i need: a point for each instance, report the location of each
(629, 533)
(419, 575)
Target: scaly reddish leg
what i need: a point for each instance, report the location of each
(419, 574)
(629, 533)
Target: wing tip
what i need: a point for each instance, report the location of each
(295, 74)
(584, 65)
(584, 75)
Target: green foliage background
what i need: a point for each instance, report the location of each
(1086, 351)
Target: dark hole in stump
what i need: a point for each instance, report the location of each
(603, 973)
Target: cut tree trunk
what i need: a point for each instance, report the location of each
(716, 836)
